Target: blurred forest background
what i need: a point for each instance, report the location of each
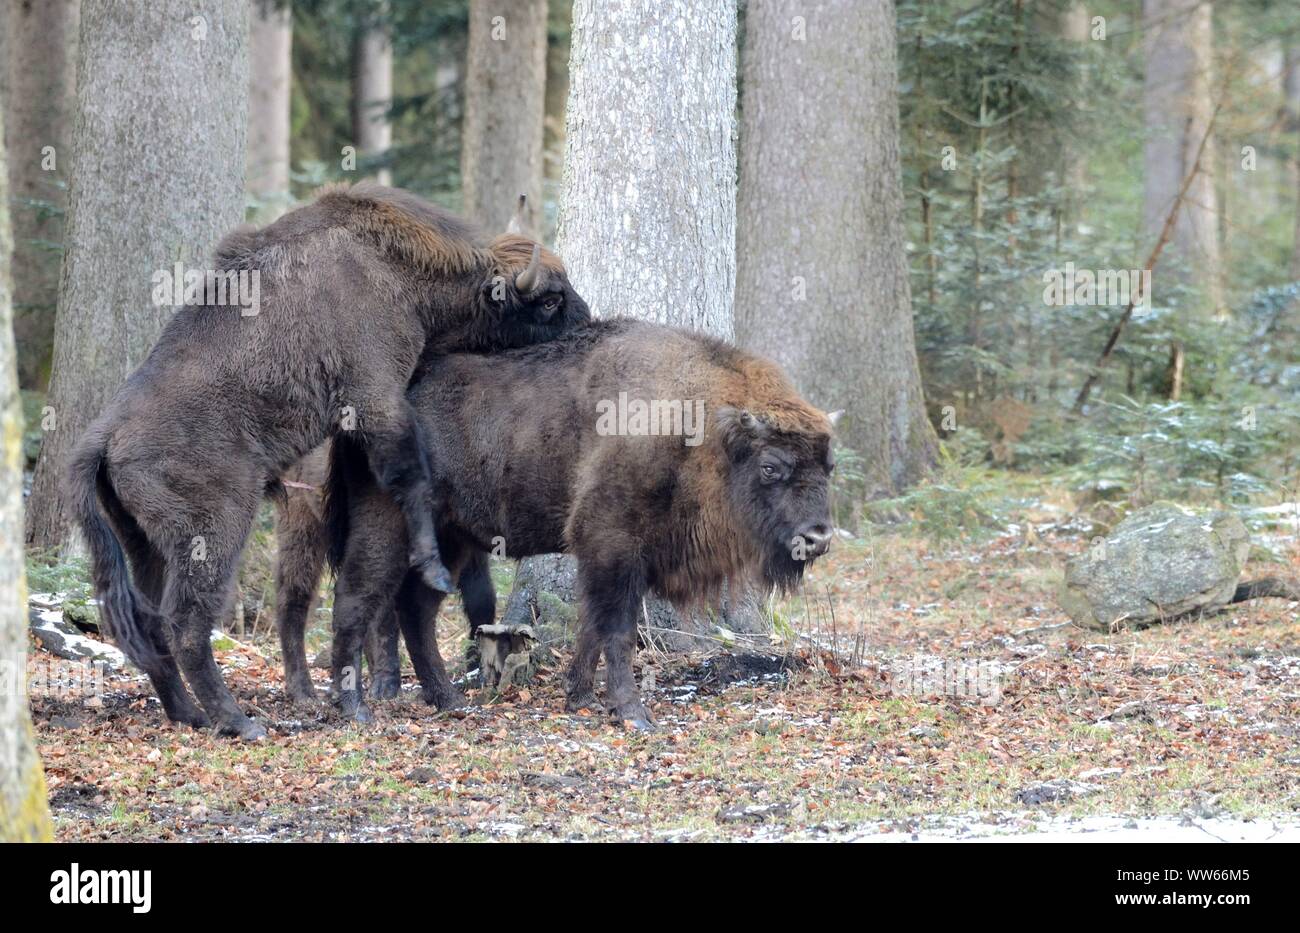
(1034, 136)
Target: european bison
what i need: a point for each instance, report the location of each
(353, 289)
(664, 460)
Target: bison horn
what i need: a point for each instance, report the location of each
(753, 426)
(835, 416)
(527, 279)
(516, 225)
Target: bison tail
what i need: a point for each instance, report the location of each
(348, 466)
(126, 614)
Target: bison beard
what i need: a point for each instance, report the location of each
(518, 459)
(354, 288)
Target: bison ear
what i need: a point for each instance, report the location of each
(738, 428)
(516, 225)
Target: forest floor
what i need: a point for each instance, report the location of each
(929, 692)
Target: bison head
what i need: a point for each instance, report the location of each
(527, 298)
(779, 487)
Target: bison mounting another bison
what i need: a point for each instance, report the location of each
(354, 288)
(520, 456)
(467, 395)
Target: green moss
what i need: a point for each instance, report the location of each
(29, 820)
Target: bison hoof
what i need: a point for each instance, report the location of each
(303, 696)
(452, 699)
(580, 701)
(351, 707)
(242, 728)
(195, 718)
(634, 715)
(435, 575)
(385, 687)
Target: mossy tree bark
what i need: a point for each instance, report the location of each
(24, 812)
(157, 178)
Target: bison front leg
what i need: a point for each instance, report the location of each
(479, 598)
(611, 597)
(399, 460)
(417, 613)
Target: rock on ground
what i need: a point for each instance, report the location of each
(1159, 563)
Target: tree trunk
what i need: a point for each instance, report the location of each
(41, 84)
(1178, 108)
(4, 57)
(270, 60)
(372, 91)
(647, 219)
(157, 178)
(1291, 93)
(505, 88)
(822, 275)
(557, 99)
(647, 215)
(24, 813)
(1073, 24)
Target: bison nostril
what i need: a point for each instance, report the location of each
(817, 537)
(817, 532)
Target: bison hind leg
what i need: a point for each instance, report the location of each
(149, 570)
(382, 657)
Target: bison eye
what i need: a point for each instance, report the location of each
(550, 304)
(769, 472)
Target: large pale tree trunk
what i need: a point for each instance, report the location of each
(1178, 106)
(647, 214)
(157, 178)
(505, 87)
(647, 211)
(822, 275)
(372, 90)
(41, 83)
(24, 813)
(270, 58)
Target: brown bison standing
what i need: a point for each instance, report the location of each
(664, 460)
(353, 289)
